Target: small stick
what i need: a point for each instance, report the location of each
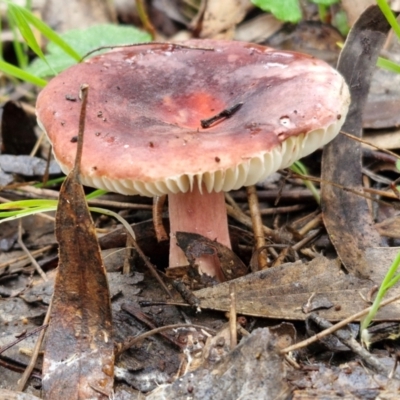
(227, 113)
(246, 220)
(304, 241)
(282, 209)
(176, 45)
(21, 258)
(21, 338)
(83, 94)
(145, 303)
(357, 139)
(257, 228)
(126, 268)
(232, 315)
(32, 362)
(29, 255)
(128, 343)
(314, 223)
(230, 200)
(151, 268)
(158, 204)
(346, 337)
(335, 327)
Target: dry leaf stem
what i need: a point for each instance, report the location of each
(257, 225)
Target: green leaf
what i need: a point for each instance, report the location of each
(285, 10)
(341, 22)
(389, 65)
(398, 165)
(83, 41)
(325, 2)
(19, 73)
(96, 193)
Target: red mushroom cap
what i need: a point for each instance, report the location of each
(146, 103)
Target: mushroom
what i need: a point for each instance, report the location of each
(193, 120)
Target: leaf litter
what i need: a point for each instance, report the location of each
(278, 293)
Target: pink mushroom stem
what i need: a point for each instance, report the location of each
(202, 213)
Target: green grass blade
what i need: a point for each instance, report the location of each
(390, 17)
(388, 65)
(299, 168)
(28, 204)
(17, 15)
(117, 217)
(20, 51)
(50, 182)
(95, 194)
(25, 213)
(46, 31)
(19, 73)
(389, 280)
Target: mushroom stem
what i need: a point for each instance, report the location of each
(202, 213)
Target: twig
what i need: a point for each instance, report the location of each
(346, 337)
(133, 340)
(21, 258)
(282, 209)
(304, 241)
(158, 204)
(151, 267)
(257, 228)
(32, 362)
(335, 327)
(246, 220)
(232, 315)
(83, 94)
(20, 339)
(314, 223)
(29, 255)
(176, 45)
(357, 139)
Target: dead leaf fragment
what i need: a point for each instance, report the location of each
(79, 352)
(253, 370)
(346, 215)
(195, 246)
(217, 19)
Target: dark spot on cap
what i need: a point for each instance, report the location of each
(74, 139)
(151, 144)
(217, 159)
(338, 116)
(100, 114)
(97, 134)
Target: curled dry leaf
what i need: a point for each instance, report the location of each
(197, 246)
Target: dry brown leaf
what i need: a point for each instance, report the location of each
(346, 215)
(77, 14)
(79, 352)
(217, 19)
(354, 8)
(253, 370)
(280, 292)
